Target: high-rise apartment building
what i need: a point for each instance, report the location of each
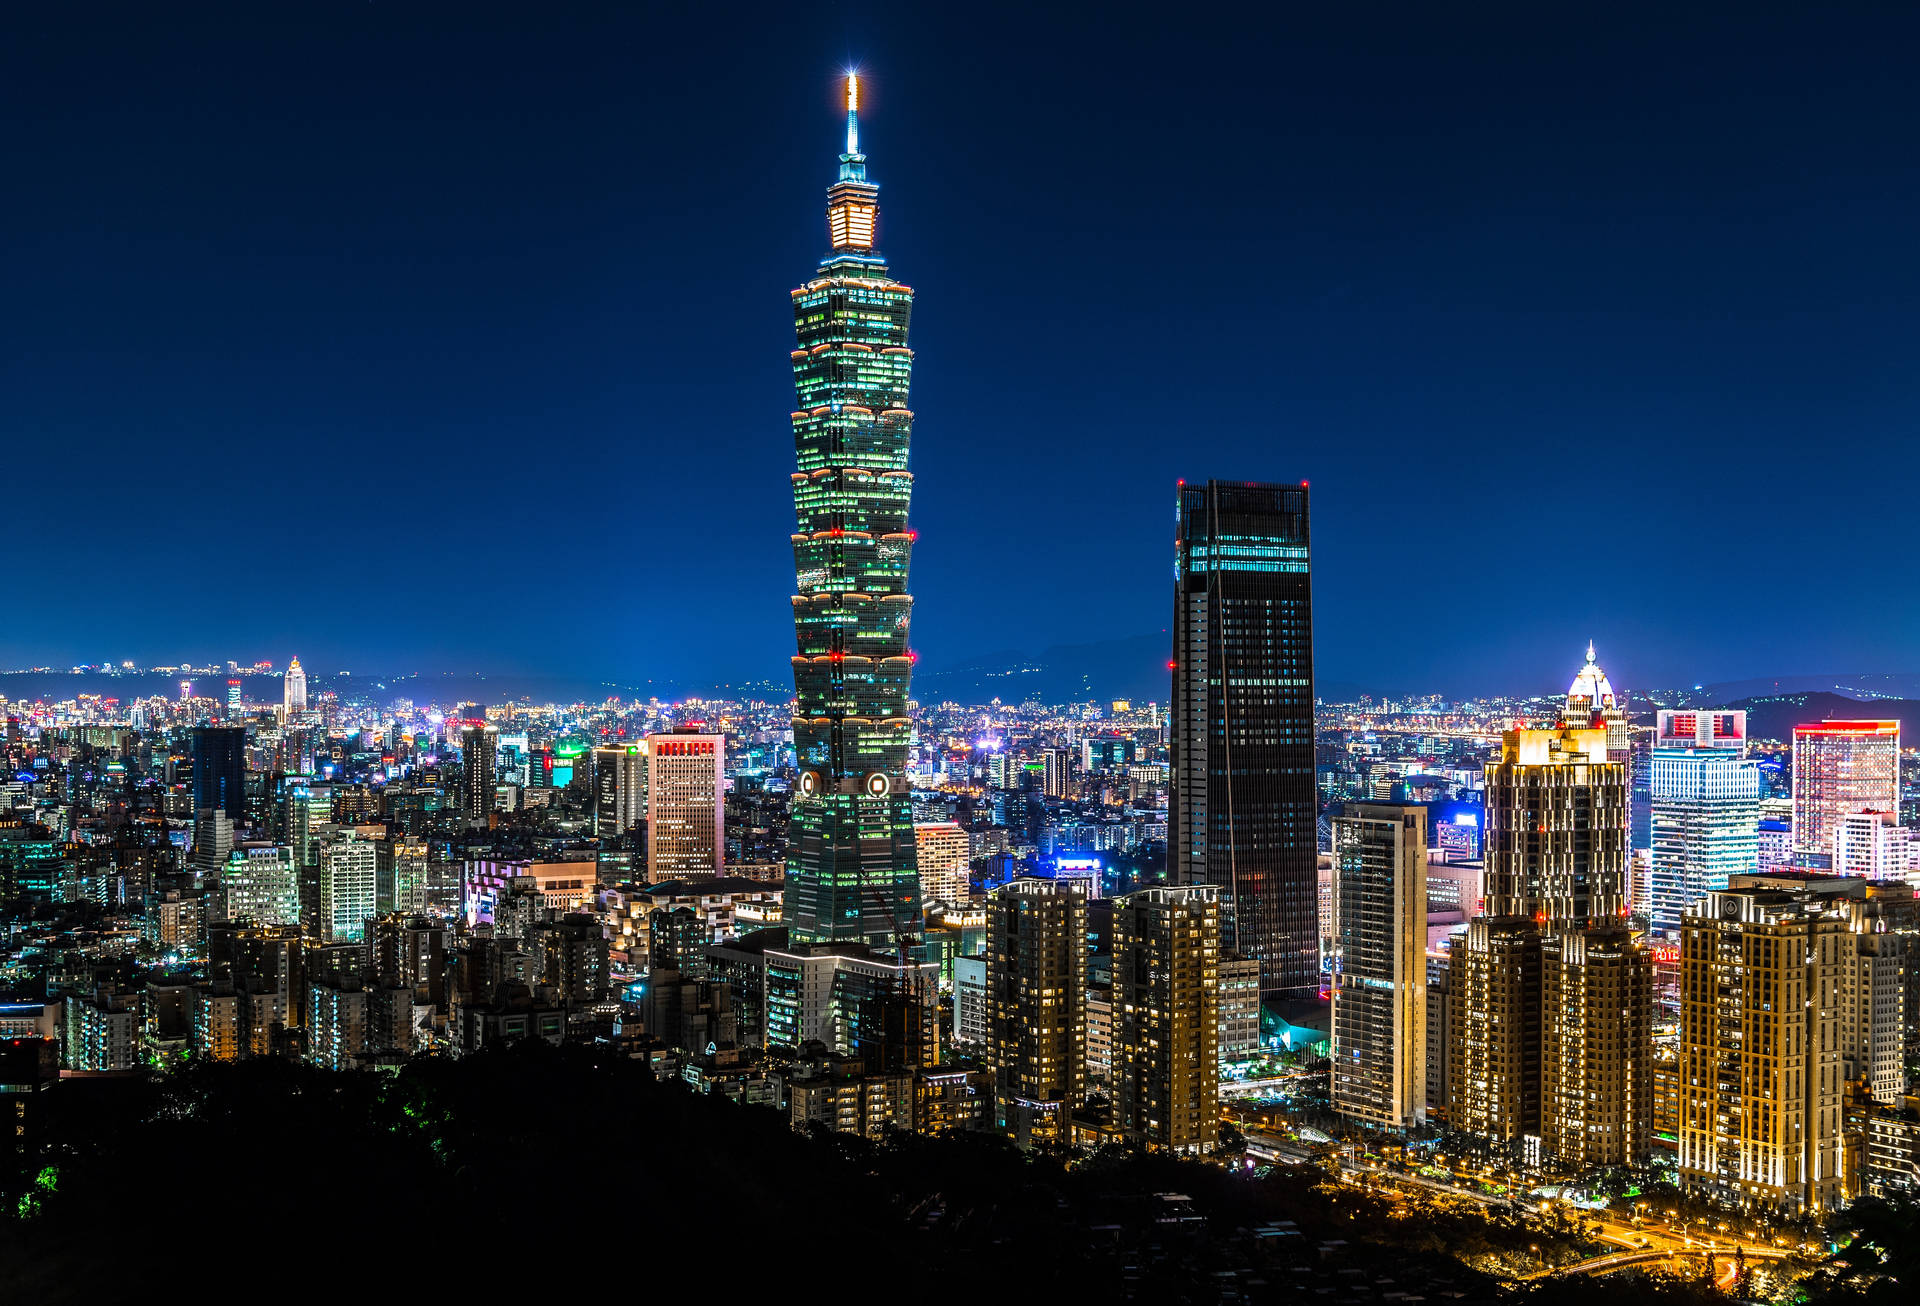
(941, 850)
(220, 770)
(1166, 1016)
(1791, 988)
(1550, 996)
(1242, 811)
(348, 888)
(293, 691)
(1706, 818)
(686, 805)
(1596, 1061)
(1840, 767)
(400, 883)
(1036, 1006)
(1871, 845)
(1379, 1053)
(233, 700)
(619, 788)
(1056, 778)
(479, 748)
(850, 868)
(262, 885)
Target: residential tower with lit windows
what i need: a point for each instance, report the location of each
(851, 874)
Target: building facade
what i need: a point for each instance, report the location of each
(619, 788)
(1706, 820)
(1545, 1053)
(850, 865)
(1242, 811)
(1166, 1010)
(1763, 1031)
(479, 748)
(686, 805)
(1036, 1006)
(941, 849)
(1379, 1053)
(293, 691)
(1840, 767)
(348, 882)
(220, 771)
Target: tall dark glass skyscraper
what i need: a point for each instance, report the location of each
(1243, 812)
(851, 875)
(220, 770)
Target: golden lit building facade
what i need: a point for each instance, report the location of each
(1596, 1067)
(1551, 1010)
(1762, 1033)
(941, 848)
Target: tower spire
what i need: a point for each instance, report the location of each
(853, 112)
(852, 201)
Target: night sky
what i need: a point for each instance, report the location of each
(402, 335)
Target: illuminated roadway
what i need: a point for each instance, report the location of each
(1680, 1247)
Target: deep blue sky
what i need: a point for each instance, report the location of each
(408, 335)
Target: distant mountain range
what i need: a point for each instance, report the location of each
(1859, 686)
(1775, 715)
(1133, 668)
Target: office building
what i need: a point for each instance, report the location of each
(850, 865)
(1166, 1008)
(685, 805)
(1706, 818)
(1239, 1007)
(1242, 811)
(619, 788)
(1036, 996)
(941, 848)
(1840, 767)
(479, 747)
(220, 771)
(1721, 728)
(234, 712)
(293, 692)
(1379, 1052)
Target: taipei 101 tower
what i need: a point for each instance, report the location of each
(851, 874)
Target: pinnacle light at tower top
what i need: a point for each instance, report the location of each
(851, 875)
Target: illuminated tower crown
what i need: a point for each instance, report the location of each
(853, 202)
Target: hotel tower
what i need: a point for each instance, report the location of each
(851, 875)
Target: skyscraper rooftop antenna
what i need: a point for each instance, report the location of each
(853, 112)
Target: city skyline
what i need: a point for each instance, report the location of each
(1318, 946)
(445, 354)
